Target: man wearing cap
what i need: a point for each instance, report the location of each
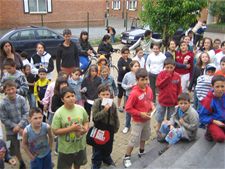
(67, 57)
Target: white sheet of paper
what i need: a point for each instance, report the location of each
(90, 101)
(106, 101)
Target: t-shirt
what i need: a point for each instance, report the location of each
(63, 118)
(38, 142)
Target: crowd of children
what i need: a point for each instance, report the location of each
(158, 86)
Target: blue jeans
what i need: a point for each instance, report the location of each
(172, 136)
(196, 102)
(146, 56)
(112, 38)
(128, 117)
(42, 163)
(31, 99)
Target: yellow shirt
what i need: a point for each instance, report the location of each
(40, 87)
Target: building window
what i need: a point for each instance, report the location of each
(116, 4)
(132, 5)
(37, 6)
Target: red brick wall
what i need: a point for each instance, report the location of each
(66, 13)
(123, 7)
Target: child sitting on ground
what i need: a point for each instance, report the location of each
(183, 123)
(212, 111)
(4, 155)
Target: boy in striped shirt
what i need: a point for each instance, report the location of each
(204, 82)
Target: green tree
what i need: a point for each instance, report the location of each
(166, 16)
(217, 8)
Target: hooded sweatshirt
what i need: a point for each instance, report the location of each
(169, 85)
(139, 101)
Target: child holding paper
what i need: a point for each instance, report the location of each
(105, 117)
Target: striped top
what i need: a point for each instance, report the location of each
(203, 86)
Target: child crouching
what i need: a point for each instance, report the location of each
(183, 123)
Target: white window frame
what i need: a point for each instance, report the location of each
(132, 5)
(27, 8)
(116, 4)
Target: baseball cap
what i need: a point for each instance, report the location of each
(210, 66)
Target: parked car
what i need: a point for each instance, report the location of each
(26, 38)
(132, 36)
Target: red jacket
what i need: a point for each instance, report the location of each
(139, 101)
(169, 85)
(180, 59)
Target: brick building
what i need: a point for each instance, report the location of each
(55, 13)
(121, 8)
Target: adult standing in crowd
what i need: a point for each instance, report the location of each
(112, 32)
(67, 57)
(7, 51)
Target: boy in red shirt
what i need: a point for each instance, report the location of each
(169, 84)
(184, 56)
(140, 106)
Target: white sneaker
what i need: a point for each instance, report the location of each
(125, 130)
(126, 162)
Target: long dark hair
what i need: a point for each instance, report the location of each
(92, 67)
(83, 33)
(58, 82)
(203, 41)
(3, 55)
(105, 37)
